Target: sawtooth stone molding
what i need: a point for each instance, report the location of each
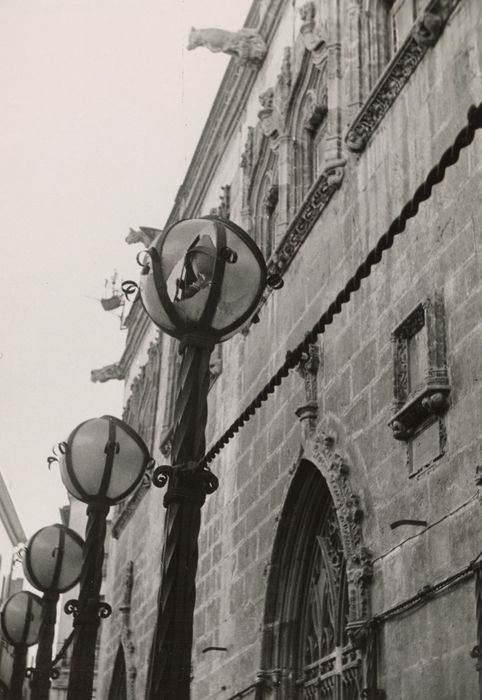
(425, 33)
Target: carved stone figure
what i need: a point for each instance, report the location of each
(107, 373)
(141, 235)
(246, 44)
(313, 35)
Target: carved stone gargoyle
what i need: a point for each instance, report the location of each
(105, 374)
(247, 44)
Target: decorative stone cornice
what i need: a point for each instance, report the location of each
(105, 374)
(424, 34)
(316, 200)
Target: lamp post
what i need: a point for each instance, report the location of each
(101, 463)
(20, 621)
(201, 282)
(52, 563)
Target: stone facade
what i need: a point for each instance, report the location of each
(323, 143)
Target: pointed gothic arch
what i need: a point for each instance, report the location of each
(316, 605)
(263, 196)
(307, 125)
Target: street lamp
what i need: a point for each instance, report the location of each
(201, 282)
(20, 621)
(101, 463)
(52, 563)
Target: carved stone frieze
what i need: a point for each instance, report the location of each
(246, 44)
(347, 505)
(425, 33)
(318, 197)
(105, 374)
(314, 110)
(422, 391)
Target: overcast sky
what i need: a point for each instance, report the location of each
(102, 107)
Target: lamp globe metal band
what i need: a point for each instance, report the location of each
(53, 559)
(101, 463)
(203, 276)
(52, 563)
(201, 281)
(20, 618)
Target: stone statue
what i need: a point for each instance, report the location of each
(247, 44)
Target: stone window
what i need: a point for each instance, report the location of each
(420, 382)
(264, 197)
(308, 127)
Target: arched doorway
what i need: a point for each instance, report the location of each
(307, 652)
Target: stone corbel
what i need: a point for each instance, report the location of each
(430, 399)
(308, 370)
(314, 111)
(430, 25)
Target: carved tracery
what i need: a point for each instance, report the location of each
(317, 600)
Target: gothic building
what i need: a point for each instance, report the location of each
(338, 558)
